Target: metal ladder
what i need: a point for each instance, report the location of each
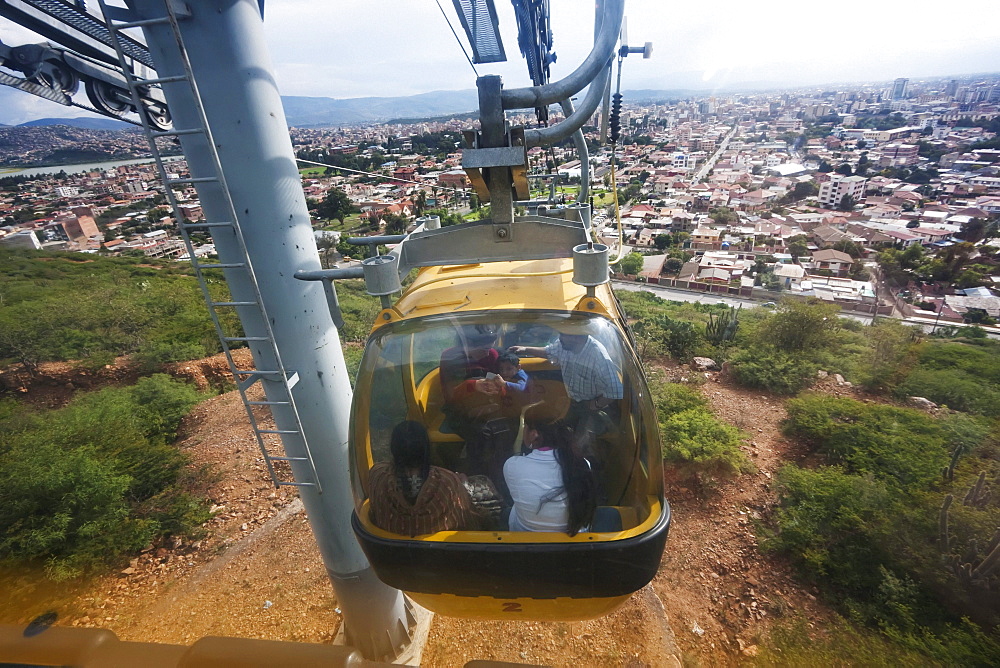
(280, 391)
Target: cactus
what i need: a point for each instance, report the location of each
(723, 329)
(979, 495)
(992, 559)
(943, 522)
(967, 566)
(949, 471)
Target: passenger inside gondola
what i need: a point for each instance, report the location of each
(471, 400)
(409, 496)
(552, 486)
(478, 401)
(592, 383)
(514, 377)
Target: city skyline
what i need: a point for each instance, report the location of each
(692, 49)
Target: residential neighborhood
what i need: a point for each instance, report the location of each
(883, 198)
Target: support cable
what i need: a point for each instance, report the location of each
(616, 124)
(391, 178)
(462, 46)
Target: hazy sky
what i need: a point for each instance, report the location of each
(341, 48)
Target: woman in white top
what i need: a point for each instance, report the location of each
(552, 486)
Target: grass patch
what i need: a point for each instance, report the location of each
(794, 643)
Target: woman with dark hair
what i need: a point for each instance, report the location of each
(409, 496)
(553, 486)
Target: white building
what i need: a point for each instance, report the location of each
(833, 187)
(22, 239)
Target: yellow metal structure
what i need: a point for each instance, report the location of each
(440, 299)
(545, 285)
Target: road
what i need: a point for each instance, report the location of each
(678, 295)
(707, 167)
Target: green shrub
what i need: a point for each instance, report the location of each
(696, 437)
(888, 355)
(826, 524)
(120, 429)
(67, 509)
(955, 388)
(672, 398)
(56, 308)
(83, 485)
(839, 643)
(800, 325)
(152, 356)
(982, 361)
(964, 432)
(660, 332)
(771, 369)
(165, 402)
(902, 446)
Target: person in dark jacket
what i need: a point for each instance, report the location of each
(409, 496)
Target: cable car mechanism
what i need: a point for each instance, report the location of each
(529, 282)
(55, 73)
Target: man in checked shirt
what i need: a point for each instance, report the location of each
(592, 383)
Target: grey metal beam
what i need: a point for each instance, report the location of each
(537, 238)
(225, 45)
(72, 27)
(583, 152)
(604, 46)
(493, 134)
(573, 122)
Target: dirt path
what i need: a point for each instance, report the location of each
(257, 572)
(719, 590)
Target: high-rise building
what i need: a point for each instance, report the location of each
(899, 87)
(951, 88)
(833, 187)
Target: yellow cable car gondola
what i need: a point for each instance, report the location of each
(494, 572)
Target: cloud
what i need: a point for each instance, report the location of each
(345, 48)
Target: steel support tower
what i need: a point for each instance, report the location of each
(216, 74)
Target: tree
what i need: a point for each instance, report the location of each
(155, 214)
(326, 246)
(825, 167)
(844, 168)
(420, 202)
(672, 265)
(336, 205)
(973, 231)
(798, 325)
(630, 265)
(849, 247)
(394, 224)
(662, 241)
(863, 163)
(723, 215)
(798, 246)
(912, 257)
(847, 203)
(804, 189)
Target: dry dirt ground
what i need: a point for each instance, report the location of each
(256, 572)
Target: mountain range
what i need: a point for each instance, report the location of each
(85, 122)
(326, 111)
